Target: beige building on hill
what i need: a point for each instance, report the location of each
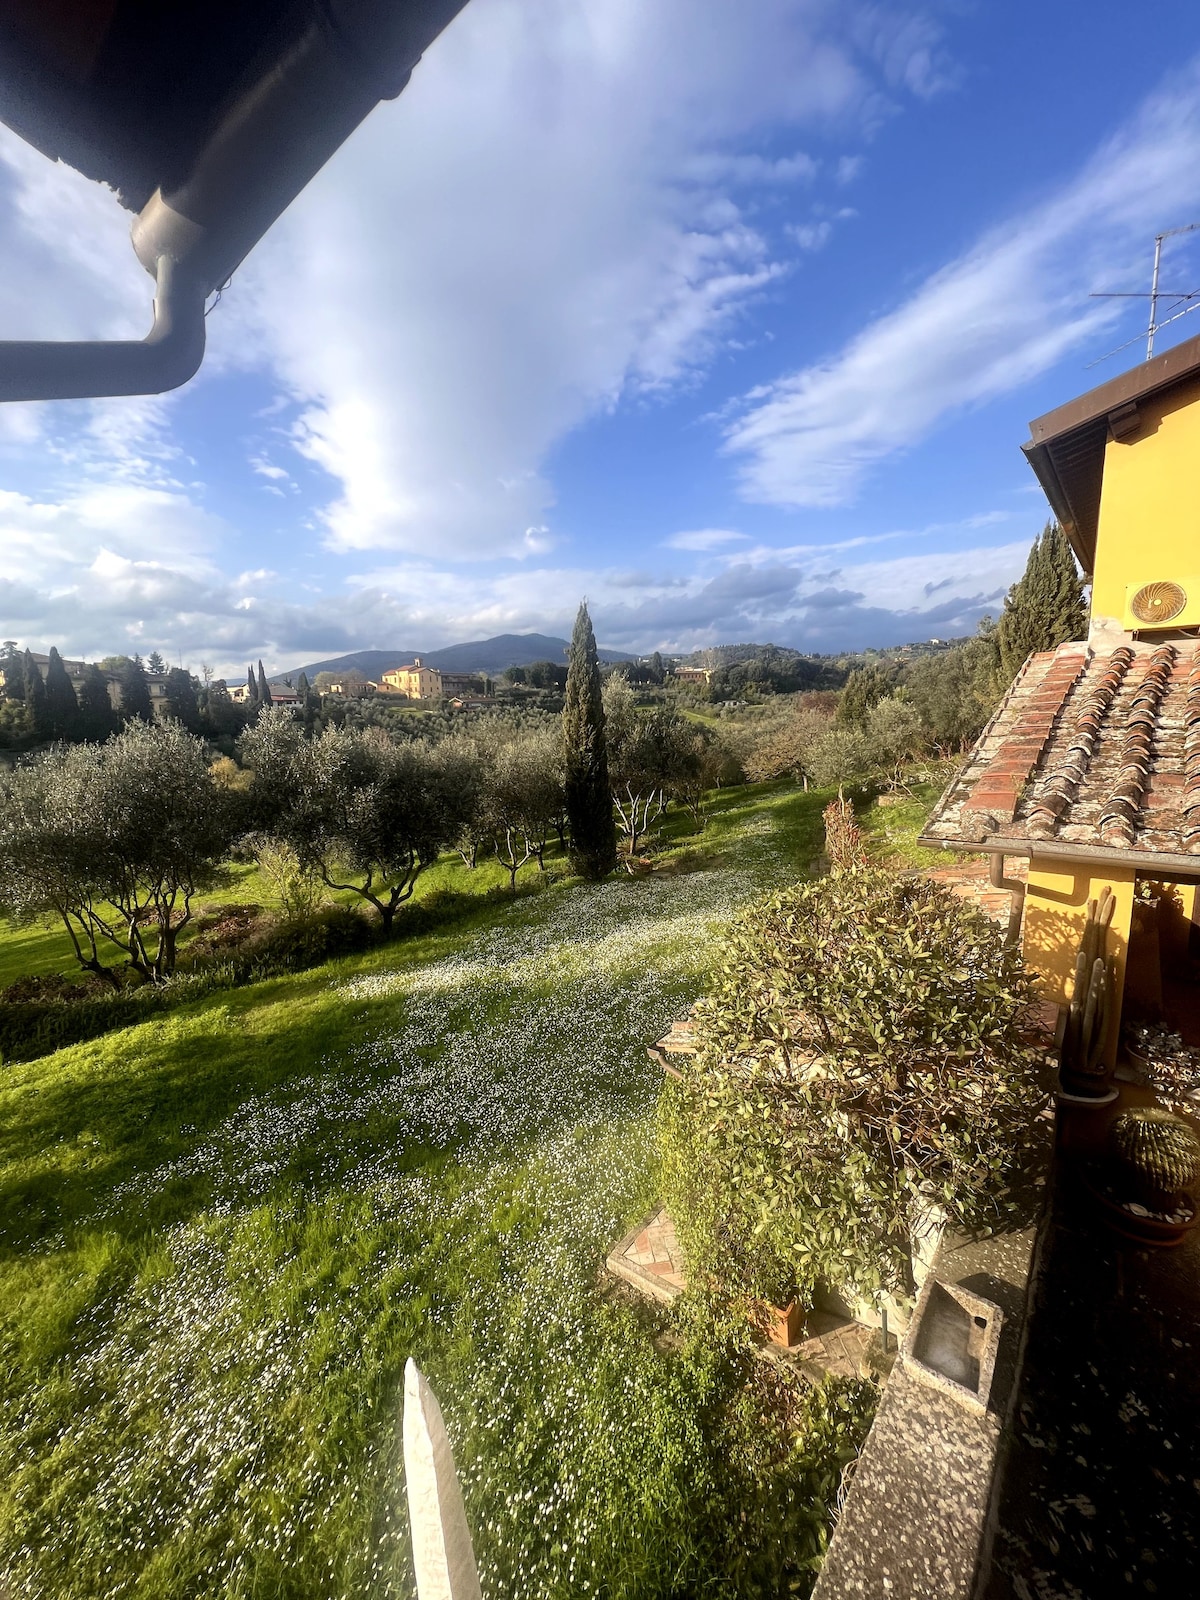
(694, 674)
(416, 680)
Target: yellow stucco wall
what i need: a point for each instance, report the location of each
(1150, 503)
(1056, 903)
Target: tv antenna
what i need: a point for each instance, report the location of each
(1188, 298)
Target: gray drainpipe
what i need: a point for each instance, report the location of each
(83, 369)
(1015, 888)
(262, 151)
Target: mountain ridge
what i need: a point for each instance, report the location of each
(489, 656)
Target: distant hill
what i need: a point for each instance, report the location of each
(489, 656)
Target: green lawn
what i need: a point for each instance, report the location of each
(893, 824)
(44, 947)
(223, 1231)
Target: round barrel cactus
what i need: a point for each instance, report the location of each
(1156, 1151)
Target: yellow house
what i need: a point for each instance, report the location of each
(416, 681)
(1090, 768)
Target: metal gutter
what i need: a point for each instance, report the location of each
(260, 153)
(81, 369)
(1179, 867)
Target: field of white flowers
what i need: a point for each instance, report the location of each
(222, 1233)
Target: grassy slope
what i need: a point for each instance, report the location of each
(43, 947)
(222, 1232)
(893, 823)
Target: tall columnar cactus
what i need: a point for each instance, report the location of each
(1091, 998)
(1156, 1151)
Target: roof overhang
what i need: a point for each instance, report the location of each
(1066, 446)
(1176, 867)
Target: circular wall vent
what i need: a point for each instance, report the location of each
(1158, 602)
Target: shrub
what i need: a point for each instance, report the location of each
(299, 942)
(864, 1047)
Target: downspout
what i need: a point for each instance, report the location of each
(83, 369)
(262, 150)
(1016, 889)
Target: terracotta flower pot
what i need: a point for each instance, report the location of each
(785, 1324)
(1145, 1230)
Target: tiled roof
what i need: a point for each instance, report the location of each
(1091, 750)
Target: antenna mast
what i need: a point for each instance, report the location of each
(1156, 294)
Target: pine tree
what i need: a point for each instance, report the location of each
(156, 663)
(97, 718)
(62, 708)
(1044, 608)
(593, 847)
(264, 688)
(35, 696)
(135, 691)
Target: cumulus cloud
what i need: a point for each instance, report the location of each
(126, 567)
(546, 221)
(1008, 309)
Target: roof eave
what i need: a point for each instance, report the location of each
(1042, 462)
(1174, 863)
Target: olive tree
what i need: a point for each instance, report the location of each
(652, 759)
(116, 840)
(523, 797)
(365, 814)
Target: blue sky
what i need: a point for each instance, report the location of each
(730, 317)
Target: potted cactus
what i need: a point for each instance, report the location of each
(1151, 1167)
(1085, 1077)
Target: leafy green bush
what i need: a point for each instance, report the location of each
(864, 1048)
(299, 942)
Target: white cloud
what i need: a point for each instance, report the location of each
(751, 169)
(123, 567)
(1007, 310)
(69, 268)
(704, 539)
(811, 236)
(537, 227)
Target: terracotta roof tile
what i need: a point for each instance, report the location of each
(1099, 750)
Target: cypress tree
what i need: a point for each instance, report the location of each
(264, 688)
(135, 691)
(252, 687)
(1044, 608)
(62, 708)
(96, 716)
(14, 670)
(593, 847)
(865, 688)
(308, 702)
(35, 696)
(180, 690)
